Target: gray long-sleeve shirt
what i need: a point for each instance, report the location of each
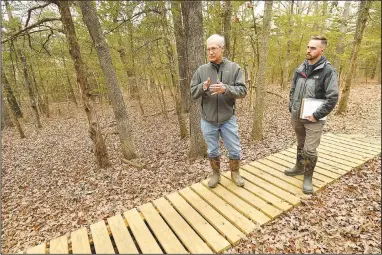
(220, 107)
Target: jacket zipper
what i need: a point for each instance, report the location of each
(217, 98)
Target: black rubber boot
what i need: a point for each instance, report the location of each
(299, 166)
(215, 177)
(234, 165)
(309, 169)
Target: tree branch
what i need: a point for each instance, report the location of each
(29, 28)
(135, 15)
(32, 9)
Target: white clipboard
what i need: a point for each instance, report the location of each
(309, 106)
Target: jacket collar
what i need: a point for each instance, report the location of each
(224, 61)
(321, 63)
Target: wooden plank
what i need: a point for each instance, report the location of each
(262, 171)
(270, 187)
(336, 158)
(271, 170)
(264, 194)
(357, 143)
(121, 235)
(283, 165)
(80, 241)
(331, 163)
(271, 161)
(354, 143)
(324, 165)
(142, 235)
(59, 245)
(210, 235)
(339, 154)
(39, 249)
(221, 224)
(230, 213)
(349, 146)
(363, 140)
(322, 168)
(184, 232)
(240, 205)
(101, 238)
(162, 231)
(291, 158)
(350, 152)
(290, 162)
(376, 140)
(253, 200)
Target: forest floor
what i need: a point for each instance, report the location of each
(52, 186)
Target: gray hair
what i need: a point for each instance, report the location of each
(217, 38)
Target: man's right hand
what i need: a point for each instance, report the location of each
(206, 84)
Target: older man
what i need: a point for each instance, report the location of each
(219, 83)
(315, 78)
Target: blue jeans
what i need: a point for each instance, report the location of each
(228, 132)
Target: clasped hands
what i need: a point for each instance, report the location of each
(218, 88)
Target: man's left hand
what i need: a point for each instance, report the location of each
(218, 88)
(311, 118)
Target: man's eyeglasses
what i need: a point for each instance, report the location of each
(213, 49)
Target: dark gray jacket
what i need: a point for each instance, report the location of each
(320, 83)
(220, 107)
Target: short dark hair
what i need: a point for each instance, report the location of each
(323, 39)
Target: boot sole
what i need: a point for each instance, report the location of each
(308, 192)
(214, 185)
(293, 174)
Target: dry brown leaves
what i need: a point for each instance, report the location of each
(51, 185)
(343, 218)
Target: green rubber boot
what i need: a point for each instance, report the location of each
(308, 175)
(299, 166)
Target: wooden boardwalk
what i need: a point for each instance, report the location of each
(202, 220)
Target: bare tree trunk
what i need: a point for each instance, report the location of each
(340, 46)
(70, 88)
(255, 67)
(91, 20)
(324, 13)
(10, 96)
(5, 115)
(40, 103)
(378, 65)
(361, 24)
(30, 90)
(257, 127)
(192, 14)
(163, 101)
(184, 76)
(13, 117)
(174, 84)
(74, 50)
(133, 86)
(289, 45)
(135, 94)
(315, 13)
(46, 95)
(227, 28)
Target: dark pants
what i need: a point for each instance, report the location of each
(308, 134)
